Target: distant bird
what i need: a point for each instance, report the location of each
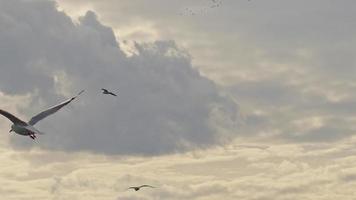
(139, 187)
(26, 128)
(105, 91)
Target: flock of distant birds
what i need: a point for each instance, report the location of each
(203, 10)
(189, 11)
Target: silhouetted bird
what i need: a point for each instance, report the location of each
(105, 91)
(139, 187)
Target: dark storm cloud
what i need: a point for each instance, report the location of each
(164, 104)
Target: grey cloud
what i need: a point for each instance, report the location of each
(346, 178)
(164, 104)
(271, 92)
(322, 134)
(281, 103)
(282, 58)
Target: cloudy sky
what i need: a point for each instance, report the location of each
(246, 100)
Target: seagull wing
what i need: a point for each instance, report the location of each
(146, 186)
(112, 94)
(51, 110)
(12, 118)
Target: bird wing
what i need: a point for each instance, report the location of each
(112, 94)
(51, 110)
(146, 186)
(12, 118)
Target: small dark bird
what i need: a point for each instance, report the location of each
(139, 187)
(105, 91)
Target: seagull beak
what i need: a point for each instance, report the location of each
(10, 130)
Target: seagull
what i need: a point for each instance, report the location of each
(139, 187)
(105, 91)
(26, 128)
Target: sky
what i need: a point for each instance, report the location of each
(246, 100)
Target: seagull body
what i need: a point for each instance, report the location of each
(27, 128)
(105, 91)
(139, 187)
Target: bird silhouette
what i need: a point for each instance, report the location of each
(105, 91)
(137, 188)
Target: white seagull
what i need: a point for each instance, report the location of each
(26, 128)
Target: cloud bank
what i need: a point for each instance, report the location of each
(283, 171)
(164, 104)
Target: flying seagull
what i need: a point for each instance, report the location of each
(105, 91)
(139, 187)
(26, 128)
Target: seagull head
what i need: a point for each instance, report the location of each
(12, 128)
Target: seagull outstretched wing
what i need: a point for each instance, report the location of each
(136, 188)
(112, 94)
(51, 110)
(146, 186)
(12, 118)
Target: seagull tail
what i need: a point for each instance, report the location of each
(40, 133)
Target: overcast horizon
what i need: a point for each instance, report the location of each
(227, 99)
